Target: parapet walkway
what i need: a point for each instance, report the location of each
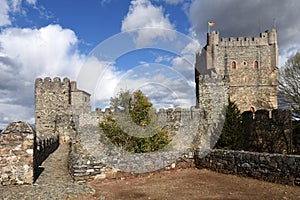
(54, 181)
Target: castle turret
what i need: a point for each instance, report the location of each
(80, 100)
(52, 98)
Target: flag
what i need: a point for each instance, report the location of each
(211, 23)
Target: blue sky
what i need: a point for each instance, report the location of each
(59, 38)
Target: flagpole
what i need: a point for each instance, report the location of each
(208, 27)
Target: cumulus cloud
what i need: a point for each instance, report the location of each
(99, 78)
(28, 53)
(235, 18)
(149, 22)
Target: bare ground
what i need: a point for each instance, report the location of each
(189, 184)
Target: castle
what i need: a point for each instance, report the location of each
(248, 65)
(243, 68)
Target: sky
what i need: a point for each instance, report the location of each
(108, 45)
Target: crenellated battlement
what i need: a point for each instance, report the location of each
(48, 83)
(265, 38)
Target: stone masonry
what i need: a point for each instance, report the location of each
(22, 152)
(16, 154)
(52, 98)
(248, 65)
(277, 168)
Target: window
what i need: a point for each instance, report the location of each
(245, 63)
(233, 65)
(255, 64)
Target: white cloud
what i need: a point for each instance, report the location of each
(4, 13)
(149, 20)
(16, 5)
(44, 51)
(173, 2)
(32, 2)
(99, 78)
(10, 7)
(163, 58)
(28, 53)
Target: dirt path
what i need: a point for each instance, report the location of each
(187, 184)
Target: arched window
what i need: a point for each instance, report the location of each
(233, 65)
(255, 64)
(252, 109)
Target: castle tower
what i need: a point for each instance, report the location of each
(80, 100)
(52, 99)
(248, 65)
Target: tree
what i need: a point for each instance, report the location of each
(231, 137)
(289, 82)
(139, 109)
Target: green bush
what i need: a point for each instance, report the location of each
(139, 109)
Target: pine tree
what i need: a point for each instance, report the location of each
(231, 137)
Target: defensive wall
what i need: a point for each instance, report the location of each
(268, 131)
(277, 168)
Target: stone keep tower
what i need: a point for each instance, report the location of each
(80, 100)
(248, 65)
(52, 99)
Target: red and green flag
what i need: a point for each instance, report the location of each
(211, 23)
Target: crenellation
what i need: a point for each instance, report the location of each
(56, 80)
(263, 39)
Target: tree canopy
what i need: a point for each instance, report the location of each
(132, 126)
(289, 82)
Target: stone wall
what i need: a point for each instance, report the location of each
(16, 154)
(22, 152)
(93, 157)
(277, 168)
(84, 166)
(268, 131)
